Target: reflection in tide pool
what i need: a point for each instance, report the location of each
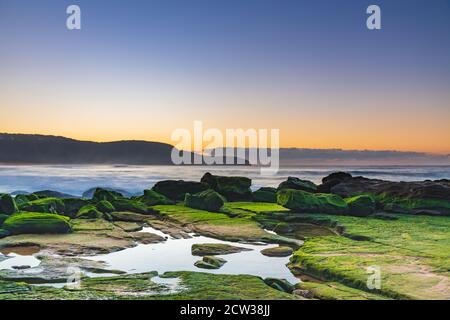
(175, 255)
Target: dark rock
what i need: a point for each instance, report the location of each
(232, 188)
(89, 194)
(177, 189)
(281, 251)
(265, 194)
(7, 204)
(298, 184)
(24, 198)
(4, 233)
(331, 180)
(361, 206)
(279, 284)
(209, 262)
(21, 267)
(108, 195)
(305, 202)
(208, 200)
(153, 198)
(211, 249)
(384, 216)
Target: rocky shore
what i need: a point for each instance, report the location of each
(333, 232)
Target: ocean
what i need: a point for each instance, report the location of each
(76, 179)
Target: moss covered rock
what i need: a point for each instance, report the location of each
(130, 205)
(105, 206)
(298, 184)
(232, 188)
(211, 249)
(7, 204)
(302, 201)
(265, 194)
(45, 205)
(73, 205)
(4, 233)
(361, 206)
(208, 200)
(24, 198)
(34, 222)
(408, 205)
(153, 198)
(281, 251)
(89, 212)
(279, 284)
(3, 217)
(177, 189)
(108, 195)
(209, 262)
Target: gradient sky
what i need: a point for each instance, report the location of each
(140, 69)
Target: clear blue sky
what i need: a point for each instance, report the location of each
(310, 68)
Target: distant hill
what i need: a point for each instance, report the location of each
(40, 149)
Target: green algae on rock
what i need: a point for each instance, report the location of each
(298, 184)
(265, 194)
(177, 189)
(211, 249)
(44, 205)
(152, 198)
(209, 262)
(361, 206)
(7, 204)
(302, 201)
(208, 200)
(232, 188)
(33, 222)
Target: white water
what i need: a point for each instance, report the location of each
(76, 179)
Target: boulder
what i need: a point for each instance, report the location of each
(208, 200)
(177, 189)
(105, 206)
(108, 195)
(89, 194)
(281, 251)
(232, 188)
(24, 198)
(4, 233)
(280, 284)
(72, 206)
(298, 184)
(302, 201)
(265, 194)
(130, 205)
(211, 249)
(331, 180)
(89, 212)
(361, 206)
(33, 222)
(44, 205)
(209, 262)
(415, 197)
(153, 198)
(7, 204)
(3, 217)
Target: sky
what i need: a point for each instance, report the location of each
(141, 69)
